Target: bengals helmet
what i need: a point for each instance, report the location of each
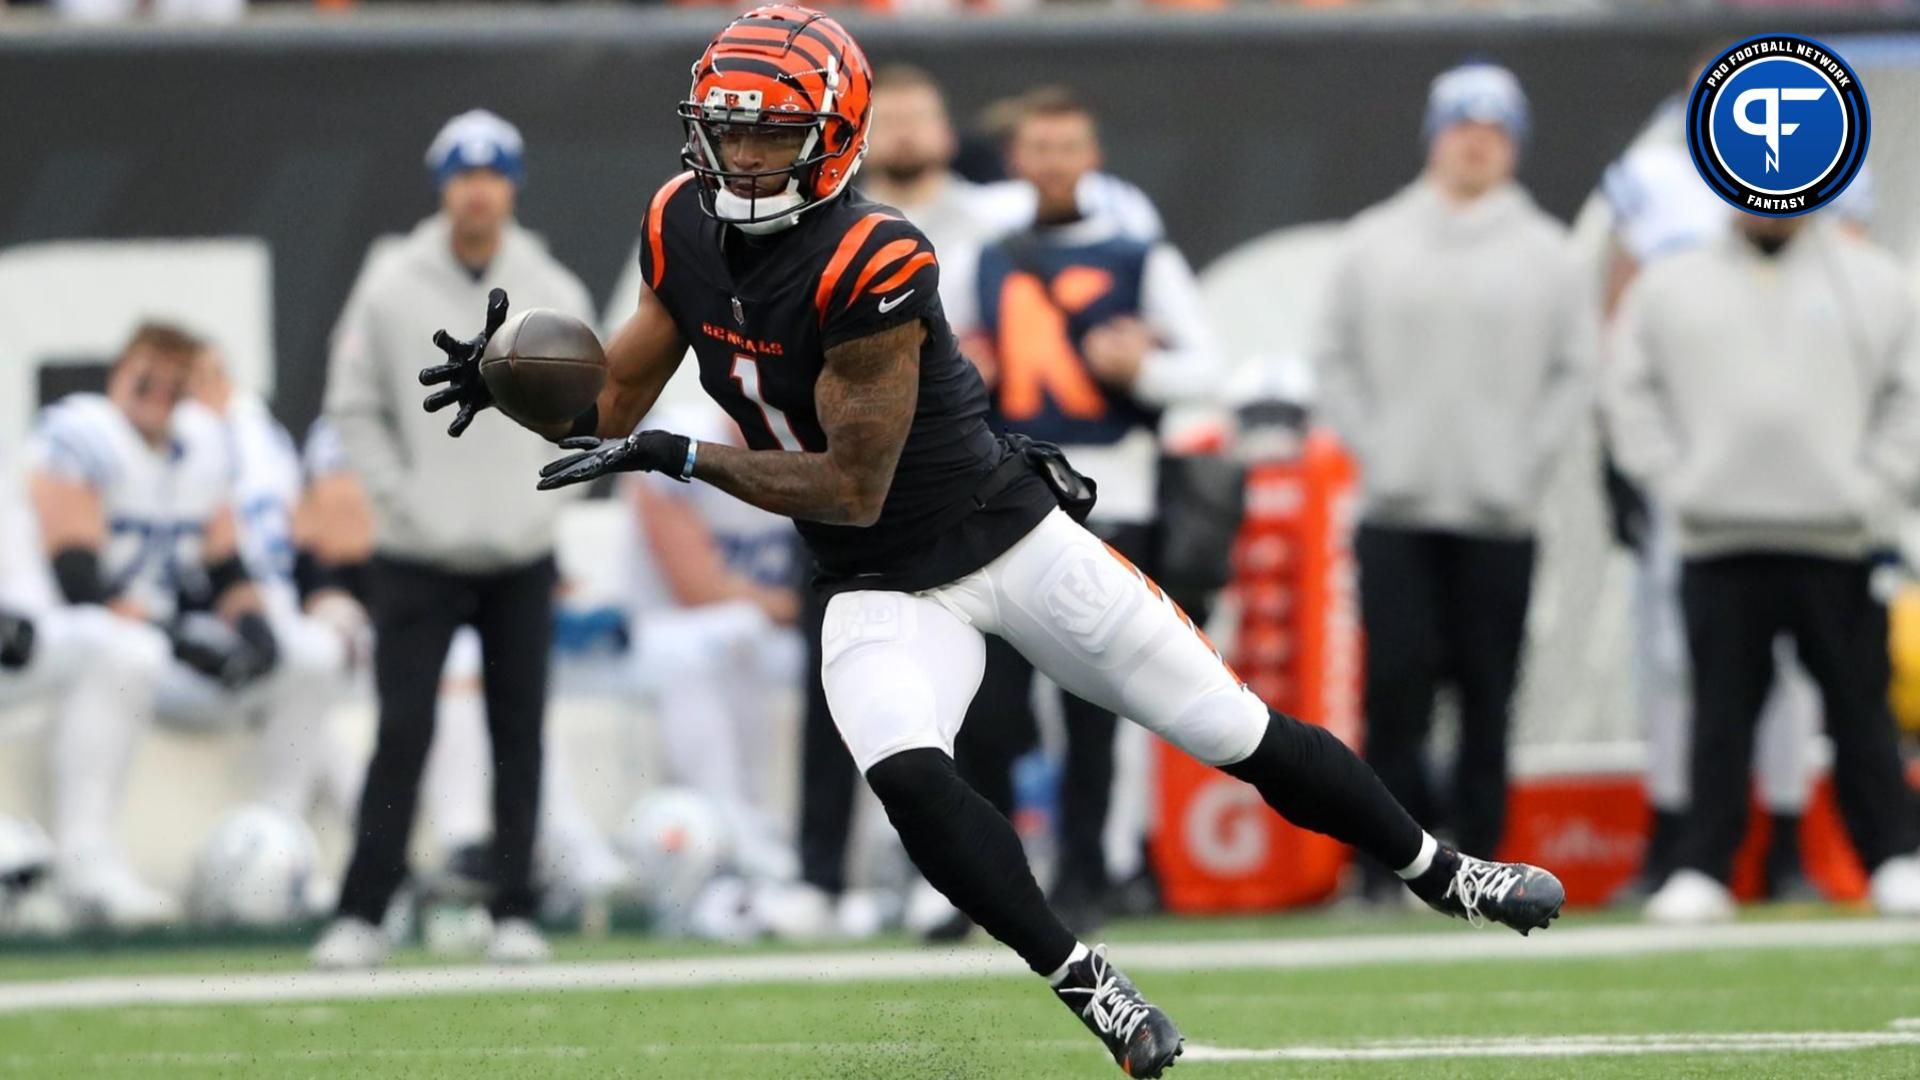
(787, 74)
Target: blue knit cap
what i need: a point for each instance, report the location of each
(477, 140)
(1478, 91)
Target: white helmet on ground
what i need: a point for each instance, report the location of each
(677, 842)
(257, 869)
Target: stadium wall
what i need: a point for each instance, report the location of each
(302, 138)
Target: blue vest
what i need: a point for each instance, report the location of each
(1038, 300)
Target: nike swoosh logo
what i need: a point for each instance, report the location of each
(889, 305)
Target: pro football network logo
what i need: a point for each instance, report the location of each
(1778, 125)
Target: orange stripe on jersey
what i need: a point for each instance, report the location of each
(849, 247)
(885, 257)
(900, 276)
(656, 220)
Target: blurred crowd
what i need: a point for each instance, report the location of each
(171, 556)
(223, 11)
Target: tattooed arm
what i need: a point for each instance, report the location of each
(865, 397)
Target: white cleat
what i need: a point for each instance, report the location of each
(1690, 898)
(518, 941)
(350, 945)
(106, 892)
(1895, 886)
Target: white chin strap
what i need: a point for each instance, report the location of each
(777, 212)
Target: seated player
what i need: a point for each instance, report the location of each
(86, 658)
(130, 490)
(715, 646)
(816, 321)
(320, 644)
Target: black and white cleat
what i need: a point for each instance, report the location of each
(1143, 1040)
(1516, 895)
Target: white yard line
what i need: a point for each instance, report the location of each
(1547, 1046)
(1537, 1046)
(900, 965)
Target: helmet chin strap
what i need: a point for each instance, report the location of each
(736, 209)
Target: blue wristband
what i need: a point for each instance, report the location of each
(693, 454)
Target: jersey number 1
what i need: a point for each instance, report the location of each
(746, 375)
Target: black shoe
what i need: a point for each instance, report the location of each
(1141, 1038)
(1515, 895)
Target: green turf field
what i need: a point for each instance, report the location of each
(1850, 1011)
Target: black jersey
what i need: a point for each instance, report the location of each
(761, 316)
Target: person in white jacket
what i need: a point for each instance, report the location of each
(1454, 360)
(1765, 389)
(1658, 207)
(443, 558)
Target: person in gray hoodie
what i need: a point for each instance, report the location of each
(1454, 360)
(1765, 388)
(443, 558)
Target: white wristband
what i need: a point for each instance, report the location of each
(693, 454)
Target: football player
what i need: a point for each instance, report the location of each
(130, 490)
(816, 321)
(45, 650)
(320, 644)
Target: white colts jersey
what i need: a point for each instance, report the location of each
(1660, 205)
(156, 500)
(24, 585)
(752, 542)
(266, 489)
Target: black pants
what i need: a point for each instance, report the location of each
(1441, 607)
(1000, 726)
(416, 609)
(1734, 608)
(827, 774)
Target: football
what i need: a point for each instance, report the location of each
(543, 367)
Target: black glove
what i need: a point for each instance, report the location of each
(233, 661)
(642, 451)
(16, 641)
(461, 372)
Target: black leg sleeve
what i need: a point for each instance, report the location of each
(970, 853)
(1317, 783)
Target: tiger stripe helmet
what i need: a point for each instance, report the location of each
(778, 65)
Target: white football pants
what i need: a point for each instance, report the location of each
(103, 670)
(900, 668)
(298, 754)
